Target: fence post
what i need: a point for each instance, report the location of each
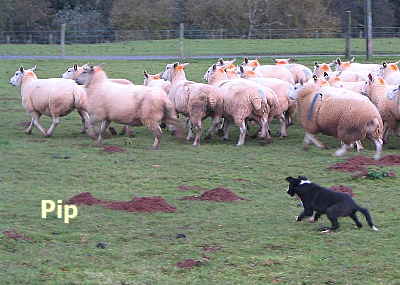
(348, 35)
(181, 38)
(8, 39)
(62, 39)
(50, 38)
(368, 26)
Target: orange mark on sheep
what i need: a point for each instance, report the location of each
(254, 63)
(180, 67)
(381, 81)
(250, 73)
(325, 67)
(393, 67)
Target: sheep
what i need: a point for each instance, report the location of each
(354, 66)
(385, 98)
(347, 75)
(340, 113)
(271, 71)
(335, 81)
(242, 100)
(301, 73)
(390, 72)
(134, 105)
(74, 71)
(53, 97)
(197, 101)
(155, 80)
(283, 91)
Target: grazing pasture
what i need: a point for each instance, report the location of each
(208, 47)
(253, 241)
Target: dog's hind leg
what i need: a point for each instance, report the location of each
(365, 212)
(331, 213)
(355, 219)
(315, 218)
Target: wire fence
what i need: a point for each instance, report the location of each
(72, 37)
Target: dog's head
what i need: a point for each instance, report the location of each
(295, 182)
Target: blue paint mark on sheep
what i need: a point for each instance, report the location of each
(391, 95)
(307, 73)
(311, 110)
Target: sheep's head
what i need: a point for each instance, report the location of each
(86, 75)
(72, 72)
(16, 79)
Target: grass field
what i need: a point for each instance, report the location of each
(208, 47)
(259, 239)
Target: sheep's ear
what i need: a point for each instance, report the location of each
(315, 77)
(233, 60)
(146, 75)
(185, 64)
(301, 82)
(326, 75)
(246, 60)
(241, 69)
(21, 68)
(370, 77)
(176, 64)
(214, 67)
(75, 67)
(338, 61)
(316, 64)
(384, 64)
(221, 61)
(34, 68)
(353, 59)
(291, 59)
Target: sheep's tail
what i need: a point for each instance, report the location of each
(365, 212)
(259, 104)
(375, 128)
(171, 119)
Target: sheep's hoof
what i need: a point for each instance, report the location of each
(28, 132)
(196, 145)
(83, 131)
(157, 147)
(97, 144)
(47, 135)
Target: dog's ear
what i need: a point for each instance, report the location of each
(290, 179)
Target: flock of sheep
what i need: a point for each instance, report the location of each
(354, 102)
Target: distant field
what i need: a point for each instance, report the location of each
(207, 47)
(256, 241)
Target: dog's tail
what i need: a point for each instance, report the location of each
(365, 212)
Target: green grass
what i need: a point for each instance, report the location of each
(207, 47)
(261, 243)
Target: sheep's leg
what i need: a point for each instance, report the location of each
(28, 131)
(197, 130)
(227, 125)
(126, 130)
(36, 117)
(309, 138)
(54, 124)
(265, 133)
(220, 127)
(190, 130)
(154, 127)
(386, 134)
(84, 118)
(214, 125)
(342, 150)
(378, 145)
(359, 146)
(243, 131)
(103, 127)
(283, 131)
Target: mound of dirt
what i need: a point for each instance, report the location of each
(137, 204)
(358, 163)
(218, 195)
(14, 235)
(113, 148)
(188, 263)
(343, 189)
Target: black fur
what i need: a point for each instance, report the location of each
(320, 200)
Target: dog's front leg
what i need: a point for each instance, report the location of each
(306, 213)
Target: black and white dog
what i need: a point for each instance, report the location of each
(325, 201)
